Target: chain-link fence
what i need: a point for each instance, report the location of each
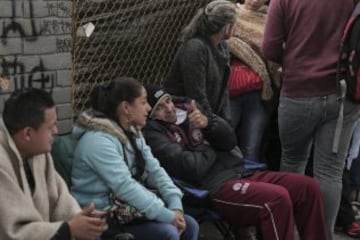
(136, 38)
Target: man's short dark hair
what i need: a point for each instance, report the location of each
(26, 108)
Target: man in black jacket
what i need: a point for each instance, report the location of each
(200, 150)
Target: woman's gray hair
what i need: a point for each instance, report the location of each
(210, 19)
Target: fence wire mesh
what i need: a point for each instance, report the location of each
(136, 38)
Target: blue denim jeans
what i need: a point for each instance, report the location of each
(152, 230)
(312, 120)
(249, 118)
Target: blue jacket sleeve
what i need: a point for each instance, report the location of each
(106, 157)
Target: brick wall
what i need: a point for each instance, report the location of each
(35, 50)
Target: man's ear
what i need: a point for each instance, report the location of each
(26, 133)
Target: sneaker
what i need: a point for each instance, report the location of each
(353, 230)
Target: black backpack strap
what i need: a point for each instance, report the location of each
(342, 88)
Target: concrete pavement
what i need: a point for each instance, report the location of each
(209, 232)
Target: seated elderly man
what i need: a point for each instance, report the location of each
(201, 150)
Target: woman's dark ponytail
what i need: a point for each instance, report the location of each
(106, 97)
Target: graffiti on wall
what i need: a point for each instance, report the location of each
(43, 18)
(55, 27)
(63, 45)
(15, 26)
(49, 26)
(15, 71)
(22, 78)
(58, 9)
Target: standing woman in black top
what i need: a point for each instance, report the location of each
(200, 69)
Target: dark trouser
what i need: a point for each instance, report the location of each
(346, 214)
(272, 200)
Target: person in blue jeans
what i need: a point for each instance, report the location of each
(251, 108)
(249, 118)
(112, 158)
(309, 107)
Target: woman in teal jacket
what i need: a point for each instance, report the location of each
(112, 158)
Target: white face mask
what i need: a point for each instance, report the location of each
(181, 116)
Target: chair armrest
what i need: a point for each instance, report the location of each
(190, 189)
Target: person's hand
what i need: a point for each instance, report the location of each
(88, 224)
(179, 221)
(205, 142)
(196, 118)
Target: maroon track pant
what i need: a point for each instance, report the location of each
(273, 200)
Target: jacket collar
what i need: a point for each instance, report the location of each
(7, 141)
(90, 120)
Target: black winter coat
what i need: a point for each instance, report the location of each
(203, 165)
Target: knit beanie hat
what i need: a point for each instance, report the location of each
(154, 95)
